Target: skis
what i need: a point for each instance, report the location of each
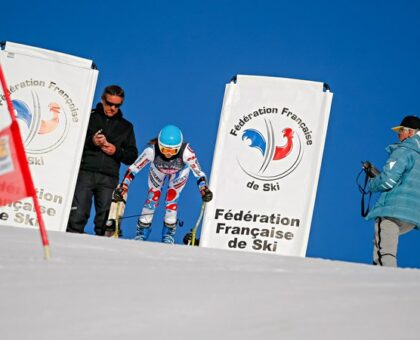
(113, 223)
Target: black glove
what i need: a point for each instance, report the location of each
(119, 192)
(206, 194)
(370, 170)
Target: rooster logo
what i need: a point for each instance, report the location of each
(24, 113)
(44, 126)
(266, 146)
(258, 142)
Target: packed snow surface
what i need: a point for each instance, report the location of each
(103, 288)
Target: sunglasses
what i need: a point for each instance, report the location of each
(170, 151)
(112, 104)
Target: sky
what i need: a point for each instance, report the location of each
(101, 288)
(174, 59)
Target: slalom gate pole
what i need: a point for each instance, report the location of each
(42, 230)
(24, 167)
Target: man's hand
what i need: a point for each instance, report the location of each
(99, 138)
(108, 148)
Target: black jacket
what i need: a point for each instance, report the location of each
(117, 131)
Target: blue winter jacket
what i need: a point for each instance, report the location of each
(399, 183)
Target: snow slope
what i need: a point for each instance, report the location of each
(100, 288)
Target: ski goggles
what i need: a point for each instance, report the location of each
(169, 151)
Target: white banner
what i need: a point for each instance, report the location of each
(266, 165)
(52, 95)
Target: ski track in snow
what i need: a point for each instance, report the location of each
(103, 288)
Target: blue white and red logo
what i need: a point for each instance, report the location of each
(271, 152)
(43, 124)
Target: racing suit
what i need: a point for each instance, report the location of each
(176, 169)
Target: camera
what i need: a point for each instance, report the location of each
(370, 169)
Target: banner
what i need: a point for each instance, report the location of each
(15, 177)
(52, 95)
(266, 165)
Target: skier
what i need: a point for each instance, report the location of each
(170, 157)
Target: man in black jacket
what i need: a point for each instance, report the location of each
(110, 141)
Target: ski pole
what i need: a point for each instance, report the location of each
(194, 230)
(117, 221)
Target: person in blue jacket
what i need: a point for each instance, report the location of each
(397, 210)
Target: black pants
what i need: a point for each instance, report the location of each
(100, 187)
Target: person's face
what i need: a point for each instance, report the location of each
(404, 133)
(111, 104)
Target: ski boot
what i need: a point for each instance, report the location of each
(110, 227)
(188, 239)
(168, 233)
(143, 231)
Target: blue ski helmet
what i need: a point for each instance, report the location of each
(170, 137)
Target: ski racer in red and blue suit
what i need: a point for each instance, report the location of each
(169, 157)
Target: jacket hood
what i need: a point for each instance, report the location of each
(412, 143)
